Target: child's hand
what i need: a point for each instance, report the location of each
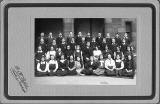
(112, 69)
(90, 68)
(117, 68)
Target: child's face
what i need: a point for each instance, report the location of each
(118, 49)
(54, 41)
(83, 39)
(60, 34)
(52, 48)
(91, 58)
(101, 57)
(128, 48)
(39, 48)
(123, 41)
(118, 57)
(42, 59)
(96, 48)
(106, 47)
(79, 34)
(62, 57)
(50, 34)
(78, 47)
(68, 47)
(99, 34)
(59, 49)
(113, 40)
(70, 34)
(78, 58)
(129, 57)
(52, 57)
(72, 39)
(63, 40)
(104, 40)
(132, 48)
(93, 39)
(108, 35)
(42, 34)
(42, 41)
(88, 43)
(109, 56)
(117, 35)
(71, 57)
(88, 34)
(125, 35)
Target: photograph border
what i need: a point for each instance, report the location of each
(9, 5)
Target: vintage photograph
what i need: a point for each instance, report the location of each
(94, 47)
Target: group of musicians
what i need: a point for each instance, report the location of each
(79, 55)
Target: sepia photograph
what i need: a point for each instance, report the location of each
(88, 47)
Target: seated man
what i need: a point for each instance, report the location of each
(110, 66)
(42, 67)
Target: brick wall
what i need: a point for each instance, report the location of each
(112, 25)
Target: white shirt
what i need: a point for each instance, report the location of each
(49, 53)
(97, 52)
(78, 64)
(52, 62)
(102, 63)
(122, 64)
(110, 62)
(39, 69)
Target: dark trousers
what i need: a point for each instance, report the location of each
(87, 72)
(72, 72)
(128, 74)
(99, 71)
(60, 72)
(39, 74)
(119, 72)
(51, 73)
(110, 73)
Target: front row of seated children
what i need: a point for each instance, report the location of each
(101, 66)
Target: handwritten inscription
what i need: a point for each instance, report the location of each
(18, 75)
